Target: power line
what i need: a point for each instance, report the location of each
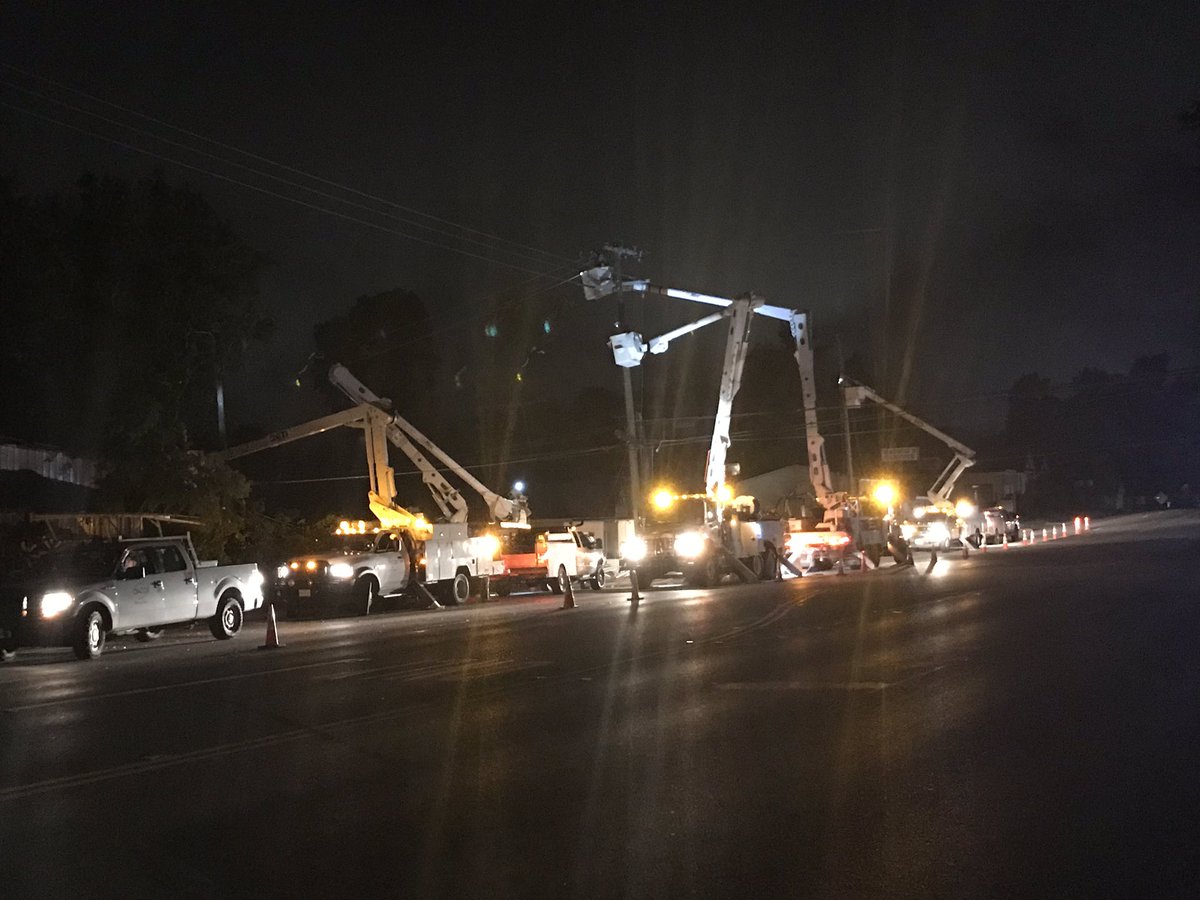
(283, 166)
(325, 194)
(269, 192)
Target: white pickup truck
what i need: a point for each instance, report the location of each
(80, 592)
(571, 555)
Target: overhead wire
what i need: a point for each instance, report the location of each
(283, 166)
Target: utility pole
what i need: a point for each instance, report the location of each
(632, 437)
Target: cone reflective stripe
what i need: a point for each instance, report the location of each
(1078, 524)
(272, 640)
(1087, 524)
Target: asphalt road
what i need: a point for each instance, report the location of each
(1025, 722)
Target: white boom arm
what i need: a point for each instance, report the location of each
(964, 456)
(736, 345)
(411, 441)
(818, 463)
(628, 350)
(382, 478)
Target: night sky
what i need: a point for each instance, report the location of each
(1019, 166)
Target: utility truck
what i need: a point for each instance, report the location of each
(449, 559)
(729, 534)
(932, 521)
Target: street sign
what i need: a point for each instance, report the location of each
(901, 454)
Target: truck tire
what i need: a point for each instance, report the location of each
(458, 589)
(365, 594)
(228, 620)
(708, 574)
(900, 551)
(599, 579)
(481, 587)
(89, 634)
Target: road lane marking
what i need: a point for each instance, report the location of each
(762, 622)
(171, 760)
(828, 685)
(804, 685)
(178, 684)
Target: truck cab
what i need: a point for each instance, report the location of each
(570, 554)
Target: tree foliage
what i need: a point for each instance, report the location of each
(128, 298)
(121, 303)
(1106, 441)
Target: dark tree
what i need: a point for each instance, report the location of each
(121, 304)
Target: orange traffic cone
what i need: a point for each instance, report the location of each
(272, 640)
(568, 595)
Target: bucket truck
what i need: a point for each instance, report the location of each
(729, 536)
(404, 552)
(936, 522)
(845, 526)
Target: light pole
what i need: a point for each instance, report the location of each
(220, 385)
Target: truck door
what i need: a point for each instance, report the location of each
(139, 601)
(178, 581)
(390, 561)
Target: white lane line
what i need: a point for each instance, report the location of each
(168, 761)
(804, 685)
(827, 685)
(472, 670)
(79, 698)
(142, 767)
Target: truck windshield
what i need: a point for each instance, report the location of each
(354, 543)
(689, 513)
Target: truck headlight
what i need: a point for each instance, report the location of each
(341, 570)
(55, 602)
(689, 545)
(634, 549)
(938, 531)
(282, 572)
(907, 531)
